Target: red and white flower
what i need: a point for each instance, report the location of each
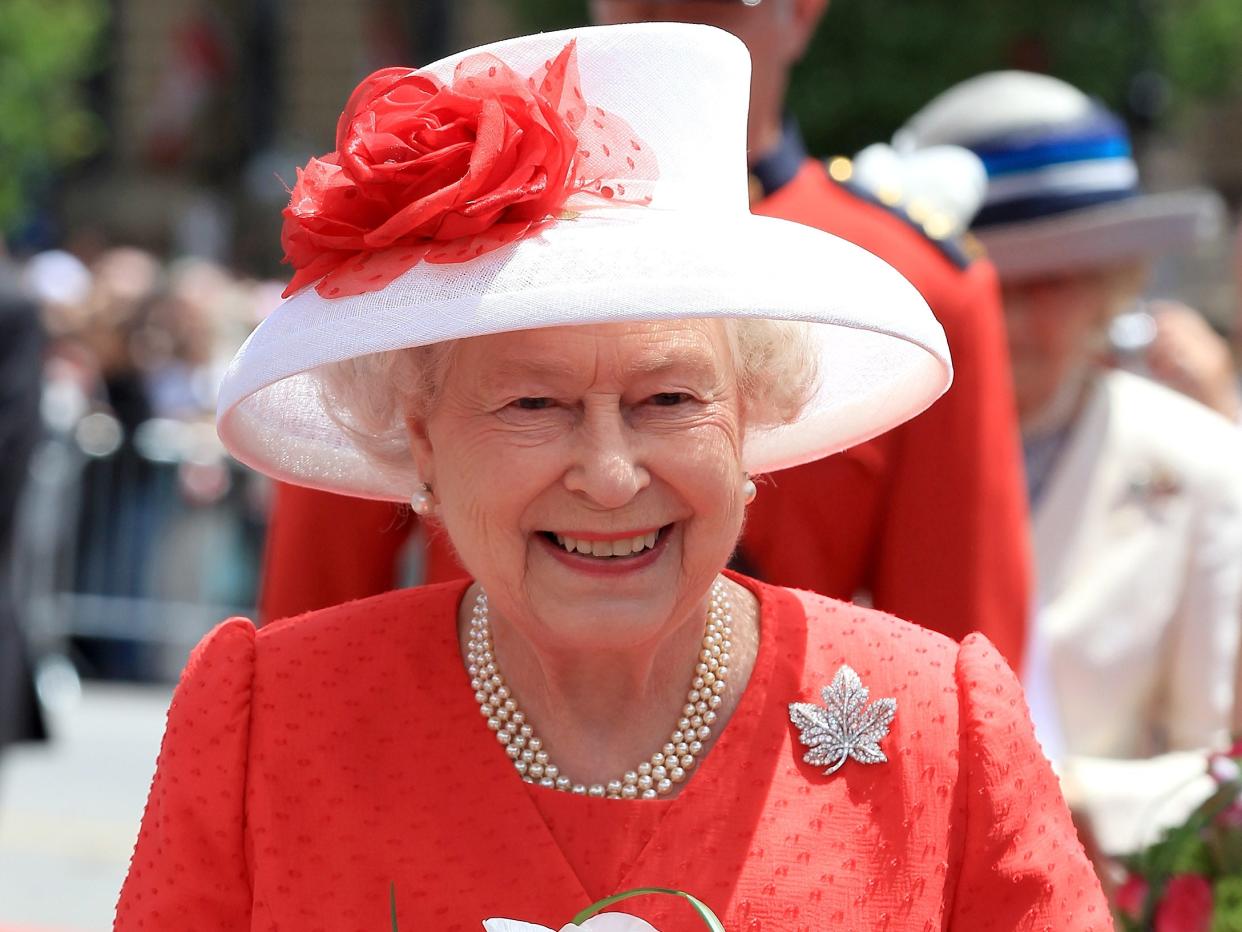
(442, 173)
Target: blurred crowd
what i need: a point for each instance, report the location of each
(134, 510)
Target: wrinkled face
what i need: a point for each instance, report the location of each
(1057, 326)
(590, 477)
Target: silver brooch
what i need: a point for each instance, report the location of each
(1154, 484)
(845, 726)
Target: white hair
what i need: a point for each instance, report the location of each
(372, 396)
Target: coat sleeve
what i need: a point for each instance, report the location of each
(1017, 863)
(953, 551)
(190, 867)
(324, 549)
(1200, 686)
(1131, 801)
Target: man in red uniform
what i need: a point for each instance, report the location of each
(927, 521)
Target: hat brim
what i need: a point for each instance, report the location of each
(882, 356)
(1135, 229)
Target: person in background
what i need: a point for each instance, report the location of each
(123, 489)
(21, 380)
(927, 522)
(1135, 489)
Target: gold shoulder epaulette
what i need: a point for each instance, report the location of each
(935, 226)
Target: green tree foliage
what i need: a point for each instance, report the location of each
(875, 62)
(47, 48)
(1202, 45)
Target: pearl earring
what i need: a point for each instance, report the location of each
(421, 501)
(749, 490)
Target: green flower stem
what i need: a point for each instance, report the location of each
(708, 917)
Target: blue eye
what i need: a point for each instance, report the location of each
(669, 399)
(533, 404)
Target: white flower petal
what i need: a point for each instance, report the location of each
(513, 925)
(612, 922)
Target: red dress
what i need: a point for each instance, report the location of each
(930, 518)
(310, 765)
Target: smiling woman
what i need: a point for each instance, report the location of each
(531, 301)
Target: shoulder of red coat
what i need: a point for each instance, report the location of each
(892, 658)
(858, 635)
(369, 615)
(887, 626)
(921, 222)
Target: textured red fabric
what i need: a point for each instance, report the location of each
(309, 765)
(601, 843)
(930, 518)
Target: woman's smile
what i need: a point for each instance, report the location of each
(606, 554)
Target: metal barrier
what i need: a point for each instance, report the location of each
(132, 546)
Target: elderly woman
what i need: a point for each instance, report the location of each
(530, 299)
(1135, 490)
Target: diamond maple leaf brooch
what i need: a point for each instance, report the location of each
(845, 726)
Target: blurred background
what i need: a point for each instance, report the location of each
(146, 149)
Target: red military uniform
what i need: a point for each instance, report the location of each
(324, 549)
(929, 519)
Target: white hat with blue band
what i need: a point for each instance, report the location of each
(1063, 186)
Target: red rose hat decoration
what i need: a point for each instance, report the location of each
(425, 171)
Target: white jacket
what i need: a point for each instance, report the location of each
(1138, 553)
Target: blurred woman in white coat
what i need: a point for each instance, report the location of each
(1135, 490)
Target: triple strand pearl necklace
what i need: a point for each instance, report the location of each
(652, 778)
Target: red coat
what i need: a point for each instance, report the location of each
(324, 549)
(930, 518)
(308, 766)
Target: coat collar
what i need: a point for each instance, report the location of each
(776, 168)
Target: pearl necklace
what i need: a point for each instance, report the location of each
(652, 778)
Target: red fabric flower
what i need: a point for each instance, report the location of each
(1186, 905)
(1131, 895)
(425, 171)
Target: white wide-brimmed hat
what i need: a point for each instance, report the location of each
(636, 209)
(1063, 188)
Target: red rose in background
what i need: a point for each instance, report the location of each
(1230, 817)
(428, 172)
(1186, 905)
(1131, 896)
